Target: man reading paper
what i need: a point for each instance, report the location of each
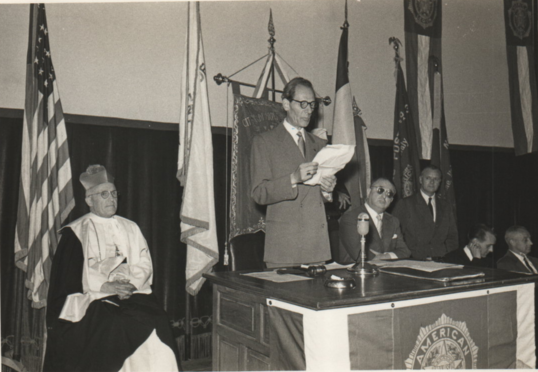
(281, 162)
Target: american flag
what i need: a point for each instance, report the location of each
(46, 191)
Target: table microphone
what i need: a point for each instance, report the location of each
(363, 223)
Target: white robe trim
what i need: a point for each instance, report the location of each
(106, 243)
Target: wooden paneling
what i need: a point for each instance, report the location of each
(237, 315)
(255, 361)
(240, 333)
(229, 355)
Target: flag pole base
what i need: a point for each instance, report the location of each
(363, 269)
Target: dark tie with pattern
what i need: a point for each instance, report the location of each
(300, 142)
(430, 206)
(529, 265)
(380, 225)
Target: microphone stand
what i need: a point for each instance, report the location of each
(362, 267)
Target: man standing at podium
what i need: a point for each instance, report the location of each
(384, 239)
(281, 161)
(428, 222)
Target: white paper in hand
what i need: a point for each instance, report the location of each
(331, 159)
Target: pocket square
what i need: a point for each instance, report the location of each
(395, 236)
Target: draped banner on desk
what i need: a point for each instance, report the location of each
(423, 31)
(467, 330)
(520, 51)
(442, 335)
(250, 117)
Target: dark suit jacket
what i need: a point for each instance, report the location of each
(511, 263)
(296, 225)
(460, 258)
(350, 240)
(424, 237)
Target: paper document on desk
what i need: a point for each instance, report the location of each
(331, 159)
(427, 266)
(275, 277)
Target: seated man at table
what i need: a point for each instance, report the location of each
(519, 243)
(101, 312)
(477, 251)
(384, 239)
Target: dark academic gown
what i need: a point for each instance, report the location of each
(108, 334)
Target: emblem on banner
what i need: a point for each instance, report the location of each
(424, 11)
(520, 19)
(446, 344)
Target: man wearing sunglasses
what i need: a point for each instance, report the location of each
(101, 313)
(428, 222)
(384, 240)
(281, 161)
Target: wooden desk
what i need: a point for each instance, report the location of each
(242, 324)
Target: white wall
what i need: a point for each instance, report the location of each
(125, 59)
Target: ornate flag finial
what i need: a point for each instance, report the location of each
(271, 28)
(346, 24)
(396, 43)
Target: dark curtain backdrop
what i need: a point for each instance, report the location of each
(492, 187)
(144, 163)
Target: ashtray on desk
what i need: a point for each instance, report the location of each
(339, 283)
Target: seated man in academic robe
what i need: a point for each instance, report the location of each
(478, 251)
(101, 313)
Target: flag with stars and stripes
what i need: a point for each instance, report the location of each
(46, 192)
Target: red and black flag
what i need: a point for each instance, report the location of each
(406, 161)
(520, 27)
(46, 191)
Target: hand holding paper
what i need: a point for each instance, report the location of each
(330, 160)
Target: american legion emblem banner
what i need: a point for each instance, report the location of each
(251, 116)
(521, 34)
(468, 330)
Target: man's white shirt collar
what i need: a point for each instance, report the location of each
(468, 252)
(521, 257)
(426, 199)
(293, 131)
(373, 213)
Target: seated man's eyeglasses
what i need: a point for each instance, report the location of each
(304, 104)
(381, 190)
(106, 194)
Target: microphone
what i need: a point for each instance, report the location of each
(363, 224)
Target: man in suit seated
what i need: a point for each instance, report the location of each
(477, 251)
(519, 243)
(101, 312)
(428, 222)
(384, 240)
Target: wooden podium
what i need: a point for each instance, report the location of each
(386, 322)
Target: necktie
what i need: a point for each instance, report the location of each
(430, 205)
(300, 142)
(529, 265)
(380, 225)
